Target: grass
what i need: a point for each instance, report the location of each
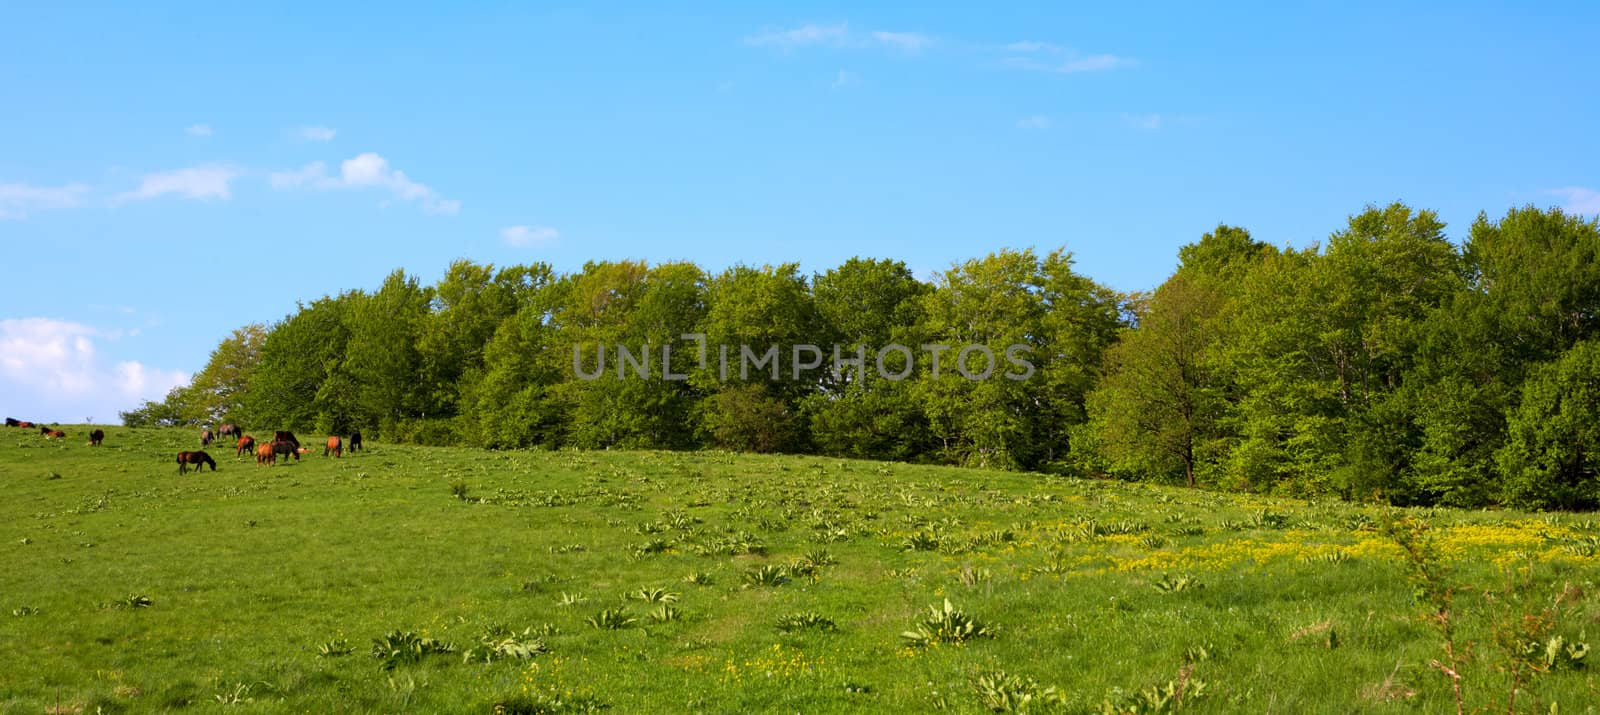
(726, 583)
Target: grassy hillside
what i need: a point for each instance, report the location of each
(127, 587)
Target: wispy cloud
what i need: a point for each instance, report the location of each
(1036, 121)
(807, 35)
(845, 78)
(366, 170)
(523, 236)
(198, 130)
(1579, 200)
(1149, 122)
(904, 41)
(316, 134)
(838, 35)
(207, 181)
(16, 200)
(1050, 57)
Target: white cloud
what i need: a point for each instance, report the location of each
(52, 371)
(208, 181)
(521, 236)
(840, 35)
(1579, 200)
(366, 170)
(1150, 122)
(1037, 121)
(316, 134)
(16, 200)
(1048, 57)
(904, 41)
(198, 130)
(803, 36)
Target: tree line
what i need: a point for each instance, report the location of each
(1384, 363)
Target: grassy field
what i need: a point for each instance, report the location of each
(653, 582)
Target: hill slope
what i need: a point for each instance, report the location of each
(1103, 590)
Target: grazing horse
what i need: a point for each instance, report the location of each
(264, 454)
(199, 459)
(26, 424)
(355, 441)
(96, 437)
(334, 446)
(284, 435)
(13, 422)
(230, 430)
(285, 449)
(245, 444)
(52, 433)
(206, 436)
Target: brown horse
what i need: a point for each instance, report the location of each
(52, 433)
(334, 446)
(264, 454)
(199, 459)
(244, 445)
(96, 437)
(230, 430)
(206, 436)
(285, 436)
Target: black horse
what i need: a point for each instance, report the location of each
(96, 437)
(285, 448)
(355, 440)
(199, 459)
(284, 435)
(13, 422)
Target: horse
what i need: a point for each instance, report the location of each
(334, 446)
(96, 437)
(199, 459)
(26, 424)
(13, 422)
(52, 433)
(230, 430)
(285, 448)
(355, 441)
(245, 444)
(206, 436)
(264, 454)
(284, 435)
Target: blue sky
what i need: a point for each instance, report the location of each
(171, 172)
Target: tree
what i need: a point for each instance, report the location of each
(1551, 459)
(1159, 406)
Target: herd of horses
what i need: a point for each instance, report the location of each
(283, 444)
(95, 437)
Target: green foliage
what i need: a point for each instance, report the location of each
(946, 625)
(611, 619)
(806, 620)
(397, 648)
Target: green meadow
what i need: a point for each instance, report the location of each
(443, 580)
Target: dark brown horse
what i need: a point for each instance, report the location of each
(96, 437)
(52, 433)
(264, 454)
(230, 430)
(284, 435)
(334, 446)
(206, 436)
(199, 459)
(355, 441)
(285, 448)
(246, 444)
